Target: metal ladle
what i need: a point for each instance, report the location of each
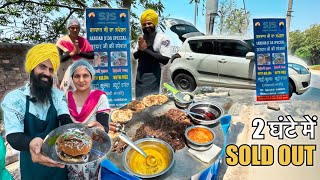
(151, 160)
(204, 116)
(193, 113)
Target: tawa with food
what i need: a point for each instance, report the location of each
(153, 100)
(121, 115)
(74, 146)
(169, 127)
(136, 106)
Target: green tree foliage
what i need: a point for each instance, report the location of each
(296, 38)
(306, 44)
(312, 43)
(224, 9)
(232, 20)
(37, 21)
(305, 54)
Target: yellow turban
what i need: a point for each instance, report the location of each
(41, 53)
(149, 15)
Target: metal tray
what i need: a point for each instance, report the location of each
(99, 149)
(186, 165)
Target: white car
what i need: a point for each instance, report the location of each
(226, 61)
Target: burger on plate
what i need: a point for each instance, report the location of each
(74, 146)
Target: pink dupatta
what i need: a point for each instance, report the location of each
(66, 44)
(88, 106)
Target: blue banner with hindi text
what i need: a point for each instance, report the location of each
(270, 47)
(109, 34)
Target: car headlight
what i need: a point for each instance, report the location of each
(298, 68)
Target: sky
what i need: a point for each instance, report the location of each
(305, 13)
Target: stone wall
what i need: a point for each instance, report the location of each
(12, 73)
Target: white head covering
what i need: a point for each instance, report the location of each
(73, 22)
(69, 85)
(81, 63)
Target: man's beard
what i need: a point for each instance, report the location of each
(40, 89)
(149, 34)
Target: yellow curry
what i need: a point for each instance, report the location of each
(138, 163)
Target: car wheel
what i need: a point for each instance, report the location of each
(185, 82)
(290, 89)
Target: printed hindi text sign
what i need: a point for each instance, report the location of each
(270, 47)
(109, 34)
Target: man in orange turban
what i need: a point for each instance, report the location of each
(152, 51)
(33, 111)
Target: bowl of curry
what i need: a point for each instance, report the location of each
(199, 137)
(137, 165)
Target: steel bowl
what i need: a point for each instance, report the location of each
(206, 107)
(199, 146)
(159, 144)
(184, 105)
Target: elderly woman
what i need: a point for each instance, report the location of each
(89, 107)
(72, 47)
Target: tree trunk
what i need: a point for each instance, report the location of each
(221, 23)
(126, 4)
(315, 56)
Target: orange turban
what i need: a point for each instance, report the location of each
(41, 53)
(149, 15)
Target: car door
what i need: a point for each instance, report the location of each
(183, 29)
(206, 64)
(234, 69)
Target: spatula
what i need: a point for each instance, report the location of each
(176, 93)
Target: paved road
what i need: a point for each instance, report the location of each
(313, 94)
(306, 104)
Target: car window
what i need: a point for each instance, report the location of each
(204, 46)
(233, 49)
(298, 68)
(193, 46)
(250, 42)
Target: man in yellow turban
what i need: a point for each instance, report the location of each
(41, 53)
(149, 15)
(152, 51)
(33, 111)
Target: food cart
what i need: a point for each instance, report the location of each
(185, 164)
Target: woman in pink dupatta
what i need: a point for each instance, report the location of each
(89, 107)
(72, 47)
